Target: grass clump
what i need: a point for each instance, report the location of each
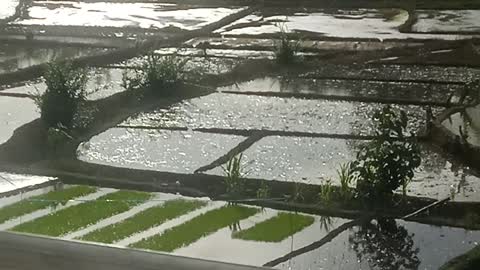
(142, 221)
(326, 194)
(286, 50)
(196, 228)
(66, 91)
(50, 199)
(234, 172)
(277, 228)
(79, 216)
(158, 74)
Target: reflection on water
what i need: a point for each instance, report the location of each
(14, 57)
(385, 245)
(349, 88)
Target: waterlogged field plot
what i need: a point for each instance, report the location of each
(77, 217)
(163, 150)
(196, 228)
(447, 21)
(142, 221)
(231, 111)
(277, 228)
(14, 56)
(388, 244)
(139, 15)
(359, 23)
(8, 8)
(374, 89)
(50, 199)
(346, 23)
(315, 160)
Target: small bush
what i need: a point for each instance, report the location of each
(388, 162)
(66, 90)
(286, 50)
(159, 74)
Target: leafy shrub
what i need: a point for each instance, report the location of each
(159, 74)
(388, 162)
(66, 90)
(326, 192)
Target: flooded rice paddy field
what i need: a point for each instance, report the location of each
(14, 57)
(272, 113)
(413, 91)
(306, 139)
(379, 24)
(105, 14)
(256, 236)
(447, 21)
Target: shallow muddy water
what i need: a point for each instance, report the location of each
(447, 21)
(172, 151)
(232, 111)
(389, 90)
(105, 14)
(388, 245)
(221, 245)
(344, 23)
(14, 56)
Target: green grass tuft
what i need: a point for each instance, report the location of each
(79, 216)
(277, 228)
(196, 228)
(35, 203)
(142, 221)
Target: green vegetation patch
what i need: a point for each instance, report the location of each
(49, 199)
(79, 216)
(142, 221)
(277, 228)
(196, 228)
